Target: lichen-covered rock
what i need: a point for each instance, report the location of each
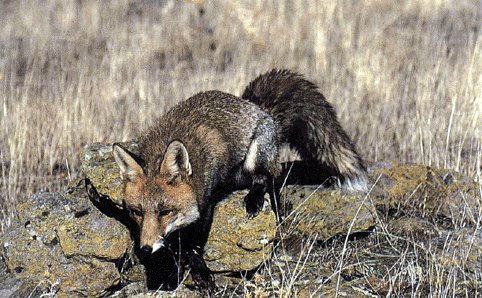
(100, 168)
(420, 190)
(63, 243)
(12, 287)
(237, 243)
(465, 250)
(310, 211)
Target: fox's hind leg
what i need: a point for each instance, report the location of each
(261, 163)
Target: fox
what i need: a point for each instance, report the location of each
(214, 143)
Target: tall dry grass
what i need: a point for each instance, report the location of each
(405, 76)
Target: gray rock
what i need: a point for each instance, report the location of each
(237, 243)
(310, 211)
(9, 285)
(64, 244)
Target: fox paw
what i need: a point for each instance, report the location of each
(253, 204)
(204, 281)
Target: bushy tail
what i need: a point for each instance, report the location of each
(308, 123)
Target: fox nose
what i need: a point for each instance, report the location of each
(146, 249)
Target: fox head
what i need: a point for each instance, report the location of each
(161, 202)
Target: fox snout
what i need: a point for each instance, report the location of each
(152, 234)
(155, 228)
(155, 247)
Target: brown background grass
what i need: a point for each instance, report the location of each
(404, 76)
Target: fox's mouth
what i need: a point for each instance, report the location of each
(158, 244)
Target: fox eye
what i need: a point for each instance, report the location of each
(135, 212)
(165, 212)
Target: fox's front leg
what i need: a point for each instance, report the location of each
(200, 272)
(254, 200)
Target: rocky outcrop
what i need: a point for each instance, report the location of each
(237, 243)
(77, 243)
(62, 243)
(427, 242)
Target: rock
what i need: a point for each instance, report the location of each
(100, 168)
(9, 285)
(181, 292)
(443, 195)
(465, 250)
(310, 211)
(235, 242)
(416, 228)
(63, 243)
(130, 290)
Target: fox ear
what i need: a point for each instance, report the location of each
(176, 160)
(129, 167)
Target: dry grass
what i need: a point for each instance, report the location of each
(404, 76)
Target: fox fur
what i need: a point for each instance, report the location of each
(214, 143)
(308, 124)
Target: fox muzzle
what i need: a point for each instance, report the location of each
(147, 249)
(158, 244)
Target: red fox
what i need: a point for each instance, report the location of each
(214, 143)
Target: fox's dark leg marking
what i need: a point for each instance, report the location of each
(194, 240)
(254, 200)
(206, 222)
(200, 272)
